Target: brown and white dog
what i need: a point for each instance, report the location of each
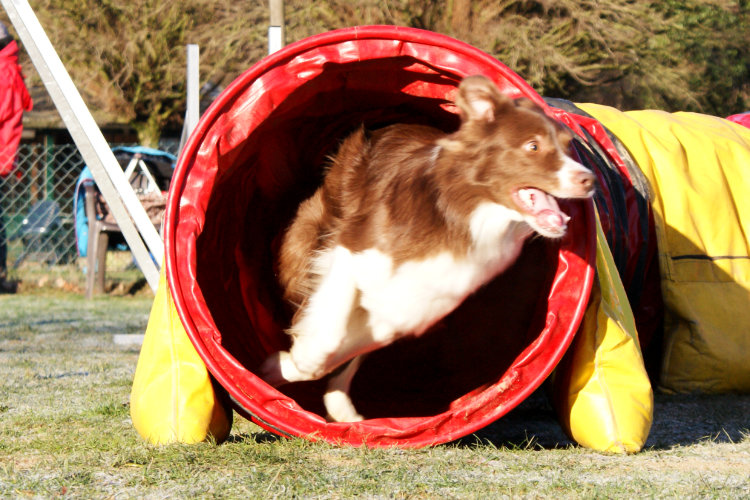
(410, 221)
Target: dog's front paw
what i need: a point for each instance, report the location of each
(279, 369)
(340, 407)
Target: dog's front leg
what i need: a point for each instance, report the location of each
(337, 401)
(321, 329)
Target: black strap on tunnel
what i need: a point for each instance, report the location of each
(251, 416)
(596, 158)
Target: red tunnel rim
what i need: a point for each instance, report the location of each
(218, 371)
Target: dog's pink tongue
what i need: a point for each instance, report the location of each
(544, 207)
(551, 219)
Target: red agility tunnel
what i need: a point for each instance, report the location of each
(260, 150)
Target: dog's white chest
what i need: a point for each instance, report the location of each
(409, 298)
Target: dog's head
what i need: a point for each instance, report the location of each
(519, 154)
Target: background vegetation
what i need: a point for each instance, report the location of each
(128, 58)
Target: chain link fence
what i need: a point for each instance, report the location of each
(37, 205)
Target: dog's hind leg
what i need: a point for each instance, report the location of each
(336, 399)
(321, 328)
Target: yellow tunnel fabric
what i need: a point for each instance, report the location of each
(698, 167)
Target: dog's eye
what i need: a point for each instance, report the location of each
(531, 146)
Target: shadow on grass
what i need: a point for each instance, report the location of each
(262, 437)
(531, 425)
(38, 324)
(685, 419)
(679, 420)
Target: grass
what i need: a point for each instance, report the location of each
(65, 431)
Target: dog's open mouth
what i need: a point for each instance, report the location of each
(544, 210)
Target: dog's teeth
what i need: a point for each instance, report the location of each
(527, 197)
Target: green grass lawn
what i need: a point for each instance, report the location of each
(65, 431)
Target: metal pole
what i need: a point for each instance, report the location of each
(276, 27)
(192, 98)
(109, 177)
(49, 172)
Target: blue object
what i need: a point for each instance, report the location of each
(151, 157)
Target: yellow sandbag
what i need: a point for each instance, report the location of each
(172, 399)
(698, 167)
(602, 393)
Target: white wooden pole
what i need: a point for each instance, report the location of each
(108, 175)
(276, 26)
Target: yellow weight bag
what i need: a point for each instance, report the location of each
(173, 399)
(601, 391)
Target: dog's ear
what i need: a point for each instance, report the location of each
(479, 99)
(525, 102)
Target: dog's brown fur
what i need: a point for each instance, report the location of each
(410, 192)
